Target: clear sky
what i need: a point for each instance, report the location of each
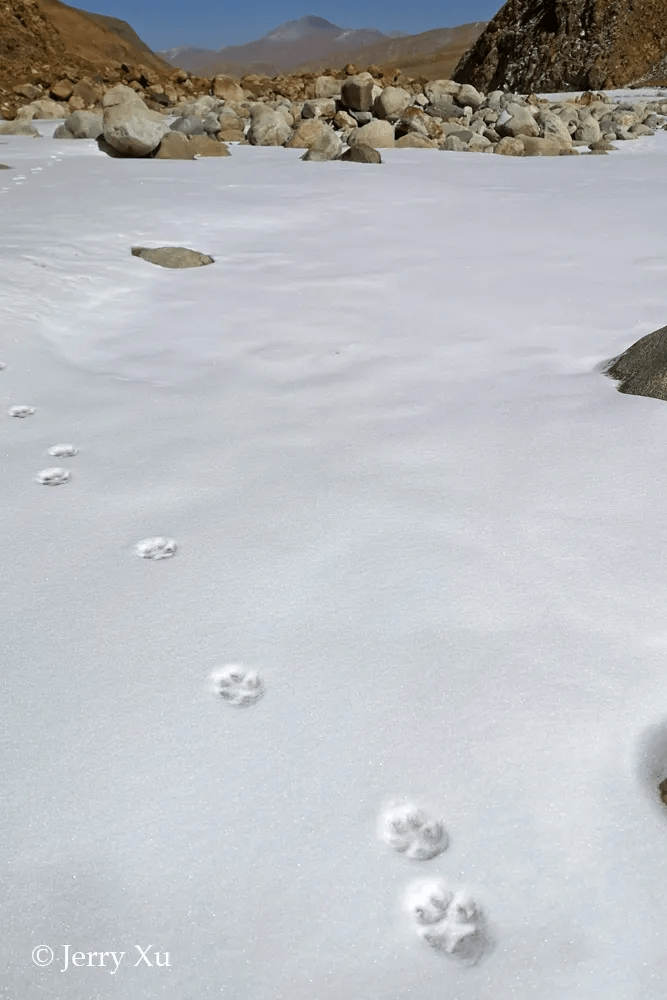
(163, 24)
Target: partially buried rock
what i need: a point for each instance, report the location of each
(175, 146)
(204, 145)
(172, 256)
(327, 146)
(5, 166)
(361, 153)
(17, 127)
(642, 369)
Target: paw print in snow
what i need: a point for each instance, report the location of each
(447, 921)
(426, 902)
(21, 411)
(413, 832)
(237, 685)
(62, 450)
(53, 477)
(156, 548)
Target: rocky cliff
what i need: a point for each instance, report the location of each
(558, 45)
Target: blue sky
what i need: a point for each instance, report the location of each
(212, 24)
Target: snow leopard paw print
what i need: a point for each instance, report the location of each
(413, 832)
(451, 922)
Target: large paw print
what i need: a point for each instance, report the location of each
(449, 922)
(413, 832)
(53, 477)
(21, 411)
(237, 685)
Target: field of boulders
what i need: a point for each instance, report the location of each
(353, 110)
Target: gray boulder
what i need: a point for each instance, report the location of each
(80, 125)
(320, 107)
(391, 101)
(175, 146)
(327, 86)
(509, 146)
(361, 153)
(588, 131)
(540, 146)
(327, 146)
(268, 128)
(130, 132)
(189, 125)
(454, 145)
(172, 256)
(642, 369)
(517, 120)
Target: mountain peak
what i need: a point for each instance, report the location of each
(305, 27)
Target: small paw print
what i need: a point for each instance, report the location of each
(21, 411)
(156, 548)
(62, 451)
(53, 477)
(412, 831)
(237, 685)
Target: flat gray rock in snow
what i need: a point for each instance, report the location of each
(172, 256)
(642, 369)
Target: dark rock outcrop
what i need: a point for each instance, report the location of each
(558, 45)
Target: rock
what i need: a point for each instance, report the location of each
(509, 146)
(5, 166)
(343, 120)
(119, 95)
(437, 90)
(89, 92)
(588, 131)
(361, 153)
(517, 120)
(534, 146)
(268, 128)
(607, 147)
(327, 146)
(356, 93)
(445, 110)
(19, 128)
(129, 131)
(225, 88)
(415, 140)
(205, 145)
(598, 152)
(306, 133)
(468, 96)
(327, 86)
(44, 110)
(319, 107)
(62, 132)
(83, 125)
(553, 127)
(230, 135)
(29, 91)
(189, 125)
(362, 117)
(454, 145)
(62, 91)
(378, 134)
(548, 46)
(172, 256)
(391, 101)
(478, 144)
(642, 368)
(175, 146)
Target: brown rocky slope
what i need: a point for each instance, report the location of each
(559, 45)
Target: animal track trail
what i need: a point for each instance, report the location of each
(156, 548)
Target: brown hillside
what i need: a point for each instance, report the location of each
(559, 45)
(433, 54)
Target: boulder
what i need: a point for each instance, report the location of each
(391, 101)
(172, 256)
(327, 86)
(361, 153)
(327, 146)
(83, 125)
(414, 140)
(378, 134)
(41, 110)
(509, 147)
(536, 146)
(175, 146)
(454, 145)
(588, 131)
(120, 94)
(517, 120)
(306, 132)
(129, 131)
(62, 91)
(319, 107)
(18, 127)
(205, 145)
(225, 88)
(552, 126)
(642, 368)
(356, 93)
(268, 128)
(190, 125)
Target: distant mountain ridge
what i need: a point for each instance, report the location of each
(282, 49)
(312, 42)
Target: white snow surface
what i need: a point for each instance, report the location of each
(403, 493)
